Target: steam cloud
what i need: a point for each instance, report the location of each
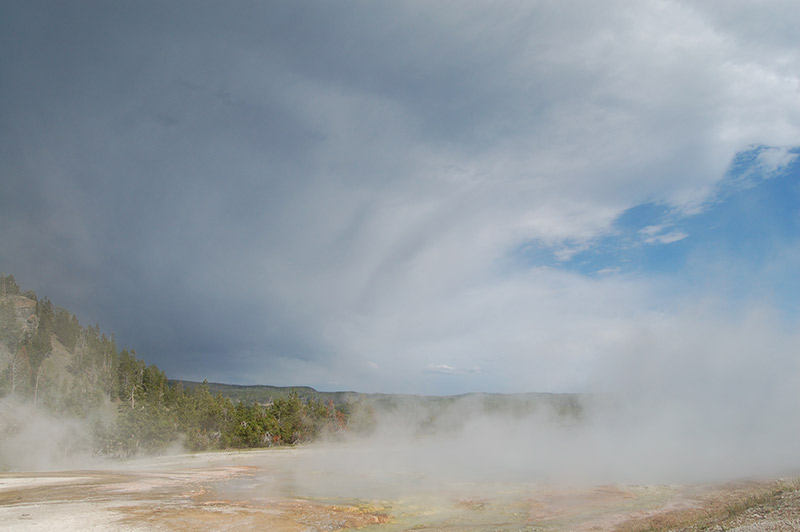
(34, 440)
(694, 397)
(701, 397)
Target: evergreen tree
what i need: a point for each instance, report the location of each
(10, 328)
(8, 286)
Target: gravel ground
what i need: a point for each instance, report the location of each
(780, 515)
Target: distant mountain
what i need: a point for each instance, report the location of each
(266, 394)
(514, 404)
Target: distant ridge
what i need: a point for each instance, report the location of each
(265, 394)
(520, 403)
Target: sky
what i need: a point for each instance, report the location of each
(416, 197)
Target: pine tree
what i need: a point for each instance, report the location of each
(8, 286)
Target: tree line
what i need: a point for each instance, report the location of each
(47, 358)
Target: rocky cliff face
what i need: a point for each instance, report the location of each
(18, 320)
(25, 312)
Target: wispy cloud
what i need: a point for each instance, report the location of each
(654, 235)
(775, 160)
(444, 369)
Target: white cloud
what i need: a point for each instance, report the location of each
(442, 368)
(775, 160)
(445, 369)
(666, 238)
(651, 230)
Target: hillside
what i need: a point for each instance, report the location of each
(52, 366)
(57, 374)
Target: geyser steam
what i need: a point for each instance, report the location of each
(697, 398)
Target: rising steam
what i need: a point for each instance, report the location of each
(698, 398)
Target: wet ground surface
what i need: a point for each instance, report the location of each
(267, 490)
(174, 494)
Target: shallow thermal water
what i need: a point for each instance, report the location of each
(309, 489)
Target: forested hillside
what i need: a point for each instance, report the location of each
(263, 393)
(50, 363)
(48, 360)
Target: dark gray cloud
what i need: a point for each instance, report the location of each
(329, 193)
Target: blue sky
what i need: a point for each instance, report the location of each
(409, 196)
(745, 228)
